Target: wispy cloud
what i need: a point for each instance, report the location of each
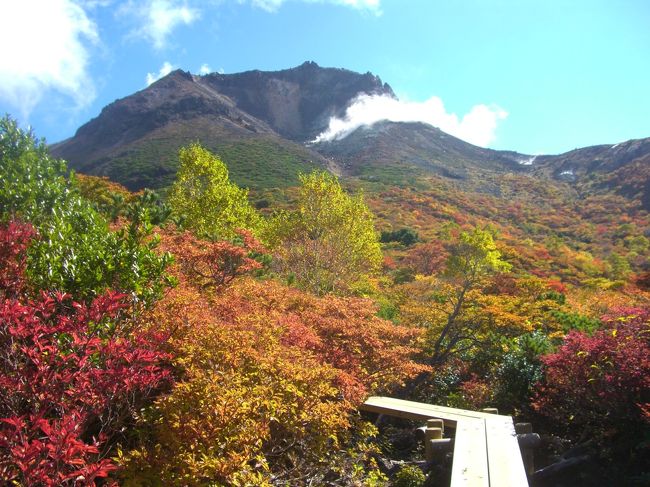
(164, 70)
(157, 19)
(478, 126)
(52, 54)
(273, 5)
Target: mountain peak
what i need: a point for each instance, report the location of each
(179, 73)
(297, 102)
(308, 65)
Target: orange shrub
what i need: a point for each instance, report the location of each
(268, 379)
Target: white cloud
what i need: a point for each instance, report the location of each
(269, 5)
(158, 18)
(164, 70)
(273, 5)
(478, 126)
(45, 47)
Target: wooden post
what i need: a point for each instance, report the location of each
(525, 431)
(434, 431)
(436, 423)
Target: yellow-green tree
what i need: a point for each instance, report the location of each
(452, 307)
(328, 243)
(205, 199)
(473, 258)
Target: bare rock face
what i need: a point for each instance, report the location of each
(298, 102)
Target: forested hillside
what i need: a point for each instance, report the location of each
(208, 335)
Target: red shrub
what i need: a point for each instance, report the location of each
(599, 385)
(427, 258)
(557, 286)
(214, 264)
(14, 239)
(72, 377)
(476, 392)
(643, 281)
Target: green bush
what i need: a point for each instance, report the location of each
(405, 236)
(519, 370)
(409, 476)
(576, 321)
(76, 251)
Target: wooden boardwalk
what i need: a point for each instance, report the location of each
(486, 450)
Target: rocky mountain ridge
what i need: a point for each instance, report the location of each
(261, 123)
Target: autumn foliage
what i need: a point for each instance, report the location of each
(251, 368)
(214, 264)
(14, 238)
(600, 384)
(268, 373)
(328, 243)
(204, 198)
(72, 377)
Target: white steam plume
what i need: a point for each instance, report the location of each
(478, 126)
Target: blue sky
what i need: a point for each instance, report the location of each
(532, 76)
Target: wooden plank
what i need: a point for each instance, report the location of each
(408, 410)
(505, 462)
(470, 464)
(431, 408)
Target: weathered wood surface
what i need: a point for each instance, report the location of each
(470, 466)
(504, 456)
(486, 451)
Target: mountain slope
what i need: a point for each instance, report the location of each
(261, 124)
(415, 145)
(622, 168)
